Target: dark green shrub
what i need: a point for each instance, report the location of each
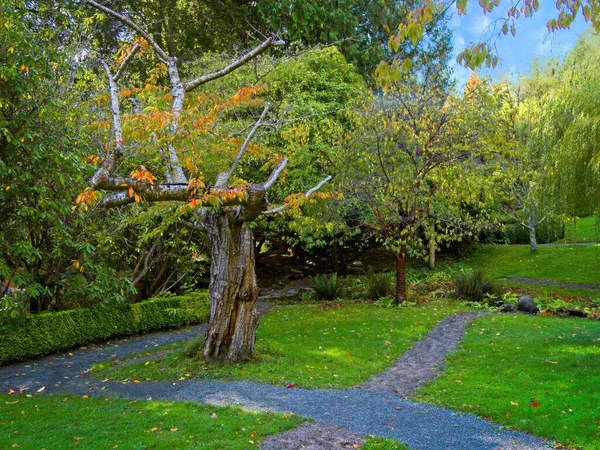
(40, 334)
(550, 230)
(380, 285)
(474, 286)
(327, 287)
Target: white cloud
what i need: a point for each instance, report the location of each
(479, 24)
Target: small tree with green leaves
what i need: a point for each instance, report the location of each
(417, 166)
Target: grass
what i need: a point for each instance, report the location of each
(379, 443)
(578, 295)
(577, 264)
(311, 345)
(582, 230)
(92, 423)
(505, 360)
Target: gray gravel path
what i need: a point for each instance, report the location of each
(422, 427)
(314, 436)
(424, 361)
(568, 244)
(554, 283)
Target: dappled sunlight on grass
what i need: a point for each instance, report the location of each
(81, 422)
(310, 346)
(505, 360)
(581, 350)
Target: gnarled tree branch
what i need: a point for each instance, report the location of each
(306, 194)
(269, 42)
(223, 178)
(119, 73)
(162, 55)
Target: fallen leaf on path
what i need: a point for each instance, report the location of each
(41, 389)
(11, 391)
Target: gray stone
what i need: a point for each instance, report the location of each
(507, 307)
(527, 304)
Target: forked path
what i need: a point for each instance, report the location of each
(342, 417)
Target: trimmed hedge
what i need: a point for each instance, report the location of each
(40, 334)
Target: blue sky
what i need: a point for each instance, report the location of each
(516, 53)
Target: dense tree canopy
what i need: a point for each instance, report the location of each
(125, 98)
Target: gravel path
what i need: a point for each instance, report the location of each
(422, 427)
(424, 360)
(569, 244)
(554, 283)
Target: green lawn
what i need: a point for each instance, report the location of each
(45, 422)
(576, 264)
(578, 296)
(505, 360)
(379, 443)
(309, 345)
(582, 230)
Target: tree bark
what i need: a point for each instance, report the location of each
(400, 277)
(432, 253)
(233, 290)
(532, 232)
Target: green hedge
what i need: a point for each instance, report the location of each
(40, 334)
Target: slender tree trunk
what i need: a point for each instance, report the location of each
(400, 277)
(233, 290)
(432, 253)
(532, 234)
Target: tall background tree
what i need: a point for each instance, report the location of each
(568, 129)
(45, 249)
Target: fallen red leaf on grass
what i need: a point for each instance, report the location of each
(290, 385)
(534, 402)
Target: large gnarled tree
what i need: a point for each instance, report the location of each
(233, 288)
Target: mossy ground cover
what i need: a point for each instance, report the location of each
(62, 422)
(311, 345)
(505, 360)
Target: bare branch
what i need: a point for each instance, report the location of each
(114, 108)
(125, 61)
(275, 174)
(127, 21)
(223, 178)
(139, 274)
(270, 42)
(307, 194)
(318, 186)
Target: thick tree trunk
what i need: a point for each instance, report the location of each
(233, 290)
(400, 277)
(532, 234)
